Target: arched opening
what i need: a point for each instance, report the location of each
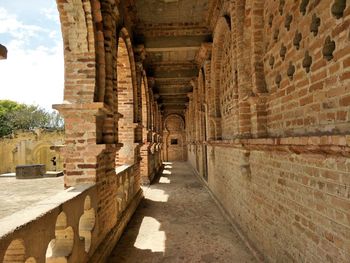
(87, 223)
(225, 86)
(61, 247)
(203, 124)
(146, 131)
(175, 137)
(145, 107)
(126, 100)
(15, 252)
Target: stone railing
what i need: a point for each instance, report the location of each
(65, 227)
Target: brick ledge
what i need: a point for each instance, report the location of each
(326, 145)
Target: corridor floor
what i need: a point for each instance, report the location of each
(179, 222)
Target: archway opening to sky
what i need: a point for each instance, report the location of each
(34, 70)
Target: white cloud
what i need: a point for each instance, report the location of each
(51, 13)
(35, 74)
(11, 25)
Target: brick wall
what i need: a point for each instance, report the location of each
(313, 99)
(289, 191)
(175, 138)
(291, 206)
(102, 107)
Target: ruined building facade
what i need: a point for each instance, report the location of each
(255, 94)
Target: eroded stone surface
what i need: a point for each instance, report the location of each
(18, 194)
(179, 222)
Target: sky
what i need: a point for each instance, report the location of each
(33, 72)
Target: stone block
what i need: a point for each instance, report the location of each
(30, 171)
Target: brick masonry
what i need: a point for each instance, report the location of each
(279, 71)
(267, 123)
(102, 105)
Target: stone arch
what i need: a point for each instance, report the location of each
(179, 125)
(175, 138)
(126, 92)
(42, 153)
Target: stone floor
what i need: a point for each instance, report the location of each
(17, 194)
(179, 222)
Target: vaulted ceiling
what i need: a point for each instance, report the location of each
(172, 32)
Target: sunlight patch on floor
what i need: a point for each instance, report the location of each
(168, 167)
(164, 180)
(166, 172)
(154, 239)
(158, 196)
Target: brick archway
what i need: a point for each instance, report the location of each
(175, 138)
(218, 73)
(126, 93)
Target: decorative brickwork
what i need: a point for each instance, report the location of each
(254, 94)
(288, 70)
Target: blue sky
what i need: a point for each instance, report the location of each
(33, 71)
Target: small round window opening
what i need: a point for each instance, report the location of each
(173, 142)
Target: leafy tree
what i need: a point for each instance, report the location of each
(16, 116)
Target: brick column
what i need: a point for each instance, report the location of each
(244, 69)
(84, 154)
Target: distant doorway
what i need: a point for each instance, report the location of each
(175, 138)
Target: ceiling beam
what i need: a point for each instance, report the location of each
(159, 30)
(172, 42)
(160, 73)
(172, 49)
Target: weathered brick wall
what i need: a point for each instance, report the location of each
(307, 82)
(102, 104)
(289, 195)
(126, 100)
(291, 206)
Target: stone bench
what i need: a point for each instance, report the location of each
(30, 171)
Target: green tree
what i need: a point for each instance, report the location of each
(16, 116)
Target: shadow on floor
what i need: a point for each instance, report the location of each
(179, 222)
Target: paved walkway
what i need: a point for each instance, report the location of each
(179, 222)
(17, 194)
